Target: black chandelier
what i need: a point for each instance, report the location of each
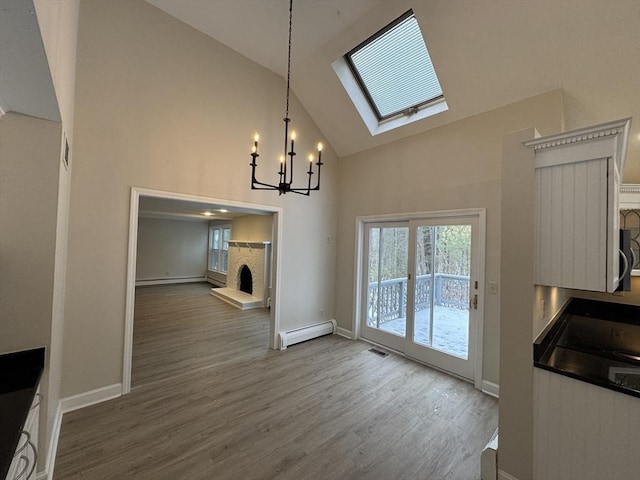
(286, 171)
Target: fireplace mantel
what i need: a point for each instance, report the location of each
(248, 243)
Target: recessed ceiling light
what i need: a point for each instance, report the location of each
(223, 210)
(208, 214)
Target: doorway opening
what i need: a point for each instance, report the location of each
(181, 201)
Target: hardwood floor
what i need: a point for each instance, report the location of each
(181, 328)
(209, 403)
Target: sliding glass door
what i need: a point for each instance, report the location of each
(421, 293)
(386, 290)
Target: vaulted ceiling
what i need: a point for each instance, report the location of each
(487, 53)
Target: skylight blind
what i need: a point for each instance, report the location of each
(395, 69)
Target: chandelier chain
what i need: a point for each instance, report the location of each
(285, 174)
(289, 56)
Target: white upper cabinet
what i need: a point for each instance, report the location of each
(578, 177)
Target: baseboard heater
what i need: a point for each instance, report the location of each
(291, 337)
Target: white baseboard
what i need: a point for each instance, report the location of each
(217, 283)
(491, 388)
(50, 461)
(86, 399)
(343, 332)
(169, 281)
(505, 476)
(69, 404)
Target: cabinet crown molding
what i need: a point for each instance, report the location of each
(629, 188)
(606, 140)
(617, 127)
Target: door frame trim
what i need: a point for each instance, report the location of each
(136, 193)
(480, 213)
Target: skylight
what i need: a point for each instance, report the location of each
(394, 70)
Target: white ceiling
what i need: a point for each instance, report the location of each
(155, 207)
(258, 29)
(25, 80)
(487, 53)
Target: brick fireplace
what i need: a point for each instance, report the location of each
(247, 275)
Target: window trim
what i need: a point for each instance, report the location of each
(363, 107)
(407, 112)
(220, 263)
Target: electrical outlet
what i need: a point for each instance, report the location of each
(327, 239)
(321, 313)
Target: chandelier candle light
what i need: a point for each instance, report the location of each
(286, 173)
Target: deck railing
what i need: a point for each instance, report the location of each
(450, 291)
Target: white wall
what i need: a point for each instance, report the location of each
(452, 167)
(29, 152)
(254, 228)
(517, 306)
(58, 23)
(29, 278)
(171, 249)
(162, 106)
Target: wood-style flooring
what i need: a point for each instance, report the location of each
(211, 401)
(181, 328)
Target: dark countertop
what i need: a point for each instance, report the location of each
(19, 376)
(595, 342)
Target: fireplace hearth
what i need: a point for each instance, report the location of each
(247, 275)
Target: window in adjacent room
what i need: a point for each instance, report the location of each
(393, 73)
(219, 247)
